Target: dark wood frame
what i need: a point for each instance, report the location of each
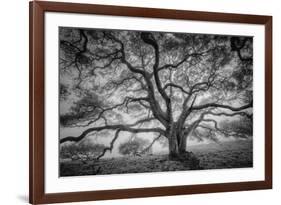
(37, 95)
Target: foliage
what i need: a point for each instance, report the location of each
(82, 151)
(243, 127)
(63, 92)
(154, 82)
(88, 105)
(133, 147)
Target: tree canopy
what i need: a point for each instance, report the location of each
(171, 84)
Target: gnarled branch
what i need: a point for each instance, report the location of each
(110, 146)
(216, 105)
(127, 128)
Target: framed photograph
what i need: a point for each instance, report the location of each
(139, 102)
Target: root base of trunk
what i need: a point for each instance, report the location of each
(187, 158)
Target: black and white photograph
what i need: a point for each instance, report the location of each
(150, 101)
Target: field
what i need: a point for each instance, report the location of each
(235, 154)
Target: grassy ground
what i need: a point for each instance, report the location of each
(236, 154)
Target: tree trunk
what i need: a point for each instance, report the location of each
(173, 147)
(177, 145)
(177, 142)
(182, 145)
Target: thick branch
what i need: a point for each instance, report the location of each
(208, 105)
(149, 39)
(127, 128)
(231, 114)
(155, 107)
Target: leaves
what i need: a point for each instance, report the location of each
(133, 147)
(242, 126)
(89, 105)
(64, 92)
(81, 150)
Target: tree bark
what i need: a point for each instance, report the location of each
(182, 145)
(173, 142)
(173, 147)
